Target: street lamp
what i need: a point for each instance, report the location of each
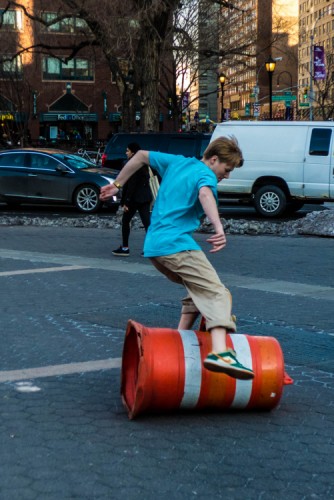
(222, 80)
(270, 67)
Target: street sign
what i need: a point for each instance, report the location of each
(284, 97)
(304, 104)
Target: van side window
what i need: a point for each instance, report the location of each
(320, 142)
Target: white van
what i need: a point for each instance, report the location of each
(286, 164)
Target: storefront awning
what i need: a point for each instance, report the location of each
(67, 117)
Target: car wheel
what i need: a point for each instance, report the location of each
(270, 201)
(86, 199)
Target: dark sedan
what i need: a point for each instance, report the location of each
(52, 176)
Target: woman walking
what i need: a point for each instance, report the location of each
(136, 196)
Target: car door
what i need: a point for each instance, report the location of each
(44, 181)
(13, 175)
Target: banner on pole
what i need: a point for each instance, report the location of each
(319, 68)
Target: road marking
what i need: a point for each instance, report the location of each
(279, 286)
(75, 260)
(55, 370)
(42, 270)
(248, 282)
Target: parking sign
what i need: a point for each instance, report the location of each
(256, 109)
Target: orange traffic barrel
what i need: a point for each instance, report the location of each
(162, 370)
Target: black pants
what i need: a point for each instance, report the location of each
(145, 215)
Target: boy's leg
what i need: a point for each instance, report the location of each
(187, 321)
(212, 299)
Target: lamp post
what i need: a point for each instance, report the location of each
(222, 80)
(270, 67)
(256, 89)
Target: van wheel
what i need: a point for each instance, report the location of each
(270, 201)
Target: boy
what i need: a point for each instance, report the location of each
(189, 189)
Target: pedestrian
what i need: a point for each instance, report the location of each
(188, 190)
(136, 196)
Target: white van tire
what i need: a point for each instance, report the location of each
(270, 201)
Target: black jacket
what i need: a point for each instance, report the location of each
(137, 189)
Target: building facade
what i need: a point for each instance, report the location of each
(252, 32)
(45, 96)
(49, 93)
(315, 58)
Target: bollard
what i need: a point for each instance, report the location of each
(162, 370)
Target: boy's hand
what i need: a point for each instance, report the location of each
(107, 192)
(218, 241)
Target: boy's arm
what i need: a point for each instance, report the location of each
(135, 163)
(208, 202)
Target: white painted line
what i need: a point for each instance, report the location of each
(124, 266)
(42, 270)
(193, 369)
(54, 370)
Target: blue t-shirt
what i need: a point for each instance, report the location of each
(177, 211)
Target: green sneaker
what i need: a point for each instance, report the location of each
(226, 362)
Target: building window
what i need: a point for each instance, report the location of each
(76, 69)
(67, 25)
(11, 19)
(10, 69)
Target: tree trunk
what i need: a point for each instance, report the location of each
(147, 71)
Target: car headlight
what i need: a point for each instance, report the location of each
(109, 179)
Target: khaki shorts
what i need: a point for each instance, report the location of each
(206, 293)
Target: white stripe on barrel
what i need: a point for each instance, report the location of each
(243, 389)
(193, 369)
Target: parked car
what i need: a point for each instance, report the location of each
(186, 144)
(52, 176)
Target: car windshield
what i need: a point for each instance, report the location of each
(74, 161)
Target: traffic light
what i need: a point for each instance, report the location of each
(306, 89)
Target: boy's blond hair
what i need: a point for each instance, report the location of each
(227, 149)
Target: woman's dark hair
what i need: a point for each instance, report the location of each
(134, 147)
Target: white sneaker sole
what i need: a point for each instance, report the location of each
(228, 369)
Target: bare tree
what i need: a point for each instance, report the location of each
(143, 44)
(130, 34)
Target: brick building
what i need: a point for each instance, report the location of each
(46, 98)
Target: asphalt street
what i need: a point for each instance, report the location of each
(64, 432)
